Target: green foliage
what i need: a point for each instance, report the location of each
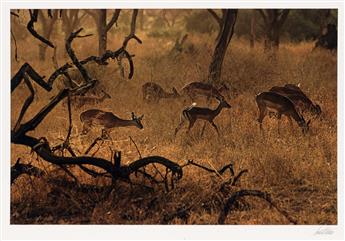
(304, 24)
(300, 25)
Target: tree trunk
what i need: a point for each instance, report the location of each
(252, 29)
(275, 37)
(47, 29)
(102, 31)
(141, 19)
(324, 16)
(272, 38)
(273, 22)
(225, 36)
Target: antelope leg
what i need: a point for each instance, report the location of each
(290, 121)
(215, 127)
(203, 129)
(178, 127)
(191, 124)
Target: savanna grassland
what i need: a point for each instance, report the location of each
(299, 171)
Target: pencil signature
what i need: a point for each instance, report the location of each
(324, 231)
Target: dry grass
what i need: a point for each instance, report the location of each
(299, 171)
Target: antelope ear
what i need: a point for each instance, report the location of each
(133, 116)
(141, 117)
(299, 85)
(308, 122)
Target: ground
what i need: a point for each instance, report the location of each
(299, 171)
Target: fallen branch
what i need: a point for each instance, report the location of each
(19, 169)
(220, 171)
(172, 166)
(228, 207)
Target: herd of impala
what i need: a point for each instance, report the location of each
(288, 100)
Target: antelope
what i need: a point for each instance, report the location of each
(193, 113)
(294, 87)
(153, 92)
(297, 96)
(96, 117)
(271, 101)
(195, 89)
(79, 101)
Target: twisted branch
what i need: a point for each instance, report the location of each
(132, 31)
(30, 27)
(228, 207)
(19, 168)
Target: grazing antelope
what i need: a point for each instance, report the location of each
(195, 89)
(153, 92)
(298, 97)
(79, 101)
(294, 87)
(107, 120)
(193, 113)
(271, 101)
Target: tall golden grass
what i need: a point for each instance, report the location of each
(300, 172)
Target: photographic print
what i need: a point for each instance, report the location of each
(174, 116)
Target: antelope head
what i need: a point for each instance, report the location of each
(137, 120)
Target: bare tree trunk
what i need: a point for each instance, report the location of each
(226, 32)
(47, 29)
(102, 33)
(219, 20)
(70, 21)
(324, 16)
(141, 19)
(103, 27)
(273, 22)
(252, 29)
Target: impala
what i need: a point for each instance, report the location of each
(79, 101)
(107, 120)
(281, 105)
(153, 92)
(298, 97)
(294, 87)
(195, 89)
(193, 113)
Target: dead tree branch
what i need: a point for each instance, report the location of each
(216, 17)
(15, 46)
(19, 168)
(30, 27)
(172, 166)
(74, 58)
(228, 207)
(221, 171)
(132, 31)
(113, 19)
(14, 14)
(41, 145)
